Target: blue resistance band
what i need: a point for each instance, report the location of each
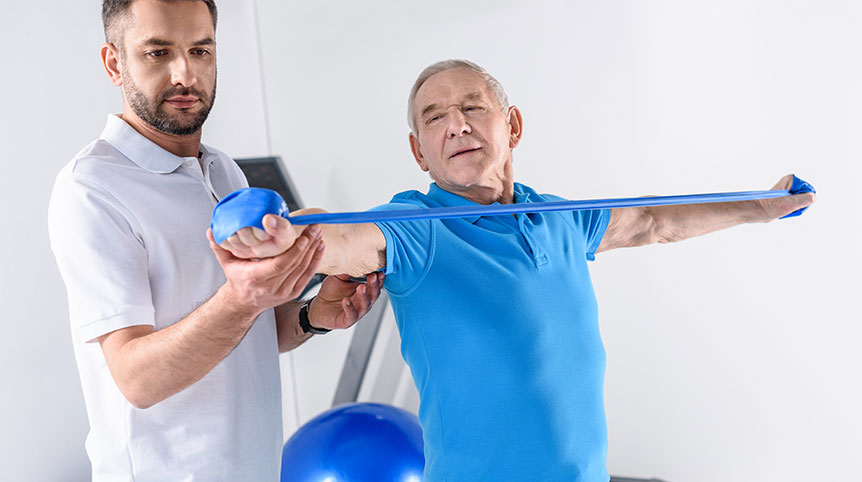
(247, 207)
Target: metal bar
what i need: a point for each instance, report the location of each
(356, 362)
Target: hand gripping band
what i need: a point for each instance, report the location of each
(243, 209)
(247, 207)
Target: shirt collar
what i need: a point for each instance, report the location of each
(522, 194)
(140, 150)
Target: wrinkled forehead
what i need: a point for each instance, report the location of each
(452, 86)
(175, 22)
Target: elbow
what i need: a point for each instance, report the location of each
(137, 395)
(141, 405)
(645, 227)
(654, 229)
(664, 238)
(139, 400)
(657, 229)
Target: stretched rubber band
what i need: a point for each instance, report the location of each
(247, 207)
(506, 209)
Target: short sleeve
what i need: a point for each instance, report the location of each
(593, 223)
(102, 261)
(409, 249)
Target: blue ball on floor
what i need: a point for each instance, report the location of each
(358, 442)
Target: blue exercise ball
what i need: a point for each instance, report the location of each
(357, 442)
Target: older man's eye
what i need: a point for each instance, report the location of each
(201, 52)
(157, 53)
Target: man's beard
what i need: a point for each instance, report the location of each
(151, 110)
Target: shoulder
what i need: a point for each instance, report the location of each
(531, 195)
(412, 197)
(405, 200)
(95, 168)
(89, 188)
(581, 219)
(96, 160)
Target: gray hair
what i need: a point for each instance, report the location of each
(450, 64)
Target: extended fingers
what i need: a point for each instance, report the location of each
(309, 267)
(300, 265)
(365, 296)
(360, 301)
(373, 285)
(288, 261)
(349, 313)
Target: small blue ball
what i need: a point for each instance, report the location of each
(358, 442)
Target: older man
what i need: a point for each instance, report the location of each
(497, 314)
(177, 344)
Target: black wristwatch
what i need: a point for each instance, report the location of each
(305, 324)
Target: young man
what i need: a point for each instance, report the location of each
(497, 315)
(176, 340)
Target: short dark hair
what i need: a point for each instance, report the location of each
(113, 11)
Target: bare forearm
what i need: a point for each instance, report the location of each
(676, 223)
(349, 251)
(151, 368)
(664, 224)
(290, 335)
(353, 249)
(641, 226)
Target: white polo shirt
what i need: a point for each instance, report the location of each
(127, 221)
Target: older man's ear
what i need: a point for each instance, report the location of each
(415, 148)
(516, 126)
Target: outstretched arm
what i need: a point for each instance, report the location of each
(353, 249)
(640, 226)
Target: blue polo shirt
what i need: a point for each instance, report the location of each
(499, 326)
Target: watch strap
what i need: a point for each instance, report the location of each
(304, 322)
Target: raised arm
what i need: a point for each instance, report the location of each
(353, 249)
(630, 227)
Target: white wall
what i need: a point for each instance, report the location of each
(731, 357)
(54, 98)
(54, 101)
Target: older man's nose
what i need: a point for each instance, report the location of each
(458, 125)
